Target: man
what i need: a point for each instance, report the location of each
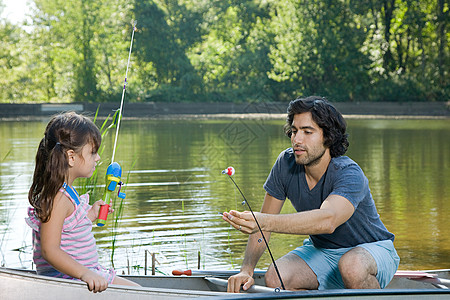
(348, 245)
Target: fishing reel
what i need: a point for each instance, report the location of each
(113, 174)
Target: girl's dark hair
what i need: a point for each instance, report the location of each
(326, 116)
(67, 131)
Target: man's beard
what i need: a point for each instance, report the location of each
(310, 160)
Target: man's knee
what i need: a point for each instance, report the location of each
(294, 272)
(271, 277)
(358, 269)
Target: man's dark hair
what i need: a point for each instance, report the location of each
(326, 116)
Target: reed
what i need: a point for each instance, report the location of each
(89, 185)
(94, 189)
(184, 238)
(118, 214)
(229, 247)
(7, 221)
(3, 159)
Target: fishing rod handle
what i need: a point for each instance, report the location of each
(112, 178)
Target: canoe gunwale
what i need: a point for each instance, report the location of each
(81, 286)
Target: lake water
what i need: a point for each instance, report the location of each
(175, 190)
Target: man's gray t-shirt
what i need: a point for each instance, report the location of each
(344, 178)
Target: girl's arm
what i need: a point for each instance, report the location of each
(52, 252)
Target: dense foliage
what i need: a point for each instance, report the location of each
(228, 50)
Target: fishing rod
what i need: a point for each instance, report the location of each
(230, 172)
(123, 93)
(114, 170)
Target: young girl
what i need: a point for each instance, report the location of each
(63, 243)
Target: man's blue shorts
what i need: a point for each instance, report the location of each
(324, 262)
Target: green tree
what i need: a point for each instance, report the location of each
(443, 59)
(233, 55)
(167, 30)
(20, 71)
(316, 49)
(197, 50)
(85, 41)
(408, 48)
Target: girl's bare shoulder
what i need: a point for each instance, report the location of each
(62, 205)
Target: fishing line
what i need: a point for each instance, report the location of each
(114, 170)
(230, 171)
(123, 93)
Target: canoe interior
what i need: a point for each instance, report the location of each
(198, 282)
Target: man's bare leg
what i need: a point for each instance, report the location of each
(295, 273)
(359, 269)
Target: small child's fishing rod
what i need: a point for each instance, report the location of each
(230, 172)
(123, 93)
(114, 170)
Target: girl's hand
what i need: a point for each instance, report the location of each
(95, 209)
(95, 282)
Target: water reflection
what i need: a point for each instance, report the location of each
(175, 190)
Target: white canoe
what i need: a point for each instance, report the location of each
(22, 284)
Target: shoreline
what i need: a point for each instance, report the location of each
(159, 110)
(250, 116)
